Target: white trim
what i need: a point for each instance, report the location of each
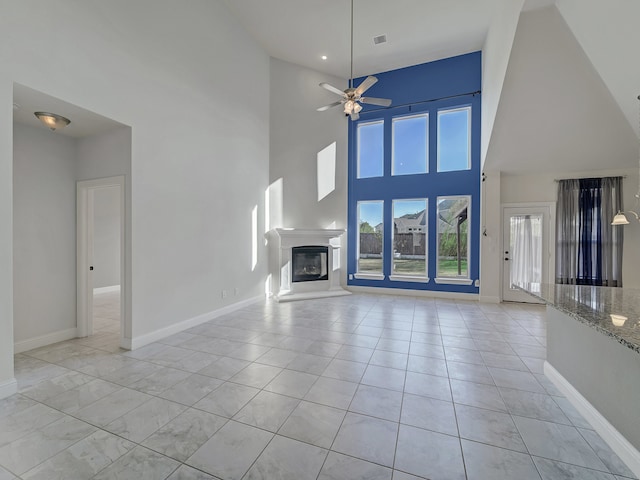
(412, 293)
(549, 243)
(408, 278)
(369, 276)
(84, 254)
(112, 288)
(488, 299)
(285, 297)
(8, 388)
(44, 340)
(164, 332)
(620, 445)
(453, 281)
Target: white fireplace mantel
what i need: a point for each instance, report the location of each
(281, 241)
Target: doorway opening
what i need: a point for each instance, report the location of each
(101, 260)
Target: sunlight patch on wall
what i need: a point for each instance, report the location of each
(254, 237)
(267, 285)
(273, 201)
(326, 171)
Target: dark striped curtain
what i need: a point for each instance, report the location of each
(588, 247)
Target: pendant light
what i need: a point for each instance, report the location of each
(621, 218)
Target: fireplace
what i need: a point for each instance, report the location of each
(309, 263)
(304, 263)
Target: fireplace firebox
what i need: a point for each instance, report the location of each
(309, 263)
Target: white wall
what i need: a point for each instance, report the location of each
(194, 87)
(7, 381)
(106, 237)
(556, 113)
(543, 188)
(609, 34)
(44, 232)
(298, 134)
(495, 59)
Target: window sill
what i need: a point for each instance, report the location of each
(453, 281)
(408, 278)
(368, 276)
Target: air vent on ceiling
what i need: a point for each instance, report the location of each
(380, 39)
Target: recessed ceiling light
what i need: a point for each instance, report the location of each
(380, 39)
(323, 57)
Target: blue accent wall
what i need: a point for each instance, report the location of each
(455, 82)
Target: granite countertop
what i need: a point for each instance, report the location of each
(615, 312)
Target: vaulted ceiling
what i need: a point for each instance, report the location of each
(418, 31)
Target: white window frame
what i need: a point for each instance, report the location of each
(412, 278)
(457, 280)
(469, 118)
(368, 275)
(359, 126)
(393, 140)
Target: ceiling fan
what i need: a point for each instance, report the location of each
(352, 97)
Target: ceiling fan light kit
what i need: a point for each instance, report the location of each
(352, 97)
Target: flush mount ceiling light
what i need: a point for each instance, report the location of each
(352, 97)
(620, 218)
(52, 120)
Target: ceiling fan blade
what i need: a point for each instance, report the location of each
(355, 116)
(332, 89)
(331, 105)
(383, 102)
(366, 84)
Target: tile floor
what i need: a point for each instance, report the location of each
(360, 387)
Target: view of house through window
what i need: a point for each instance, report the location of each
(370, 237)
(410, 237)
(453, 236)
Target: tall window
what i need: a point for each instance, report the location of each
(410, 144)
(370, 149)
(453, 237)
(454, 139)
(410, 238)
(588, 247)
(370, 235)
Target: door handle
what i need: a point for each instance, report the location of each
(91, 268)
(506, 259)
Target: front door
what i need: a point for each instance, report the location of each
(526, 250)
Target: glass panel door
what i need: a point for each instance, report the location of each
(525, 250)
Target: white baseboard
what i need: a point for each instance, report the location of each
(620, 445)
(291, 297)
(142, 340)
(43, 340)
(412, 293)
(488, 299)
(8, 388)
(112, 288)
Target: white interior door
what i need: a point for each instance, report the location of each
(526, 259)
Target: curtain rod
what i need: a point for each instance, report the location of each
(587, 178)
(466, 94)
